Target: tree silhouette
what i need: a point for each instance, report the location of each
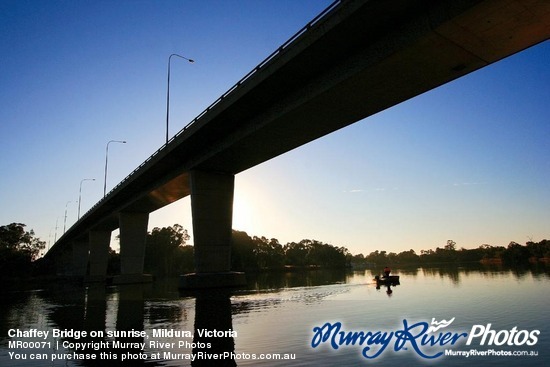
(167, 252)
(18, 249)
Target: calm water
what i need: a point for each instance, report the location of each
(278, 312)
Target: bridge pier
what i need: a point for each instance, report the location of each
(80, 254)
(212, 211)
(133, 235)
(99, 255)
(64, 262)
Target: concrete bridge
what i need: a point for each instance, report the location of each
(353, 60)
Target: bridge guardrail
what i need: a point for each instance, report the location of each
(262, 64)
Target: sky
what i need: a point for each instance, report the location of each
(468, 161)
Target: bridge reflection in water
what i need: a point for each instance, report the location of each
(275, 314)
(172, 326)
(212, 312)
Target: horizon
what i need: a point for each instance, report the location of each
(467, 161)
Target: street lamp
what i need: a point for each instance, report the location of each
(55, 237)
(106, 158)
(65, 220)
(168, 90)
(80, 193)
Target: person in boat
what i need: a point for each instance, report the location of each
(387, 272)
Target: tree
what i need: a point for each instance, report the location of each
(268, 253)
(539, 250)
(450, 246)
(165, 248)
(242, 252)
(296, 253)
(408, 257)
(18, 249)
(515, 254)
(378, 257)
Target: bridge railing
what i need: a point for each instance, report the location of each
(261, 65)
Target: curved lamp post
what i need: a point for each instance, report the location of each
(80, 193)
(65, 220)
(106, 158)
(168, 90)
(55, 237)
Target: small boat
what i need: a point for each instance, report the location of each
(390, 280)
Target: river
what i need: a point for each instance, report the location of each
(288, 319)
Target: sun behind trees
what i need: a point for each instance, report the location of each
(167, 252)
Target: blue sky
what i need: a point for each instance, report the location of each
(469, 161)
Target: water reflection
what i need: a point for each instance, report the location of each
(118, 315)
(142, 308)
(280, 280)
(130, 319)
(387, 283)
(213, 313)
(86, 309)
(388, 286)
(456, 272)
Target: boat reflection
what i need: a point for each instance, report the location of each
(388, 282)
(147, 309)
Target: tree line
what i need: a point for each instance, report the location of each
(255, 253)
(513, 254)
(167, 252)
(259, 253)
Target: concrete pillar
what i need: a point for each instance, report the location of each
(81, 249)
(99, 255)
(64, 263)
(212, 210)
(133, 235)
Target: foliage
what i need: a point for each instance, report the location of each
(268, 253)
(113, 265)
(18, 249)
(539, 250)
(255, 253)
(167, 252)
(242, 252)
(514, 254)
(315, 253)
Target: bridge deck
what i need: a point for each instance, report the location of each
(359, 58)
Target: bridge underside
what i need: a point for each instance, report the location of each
(362, 58)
